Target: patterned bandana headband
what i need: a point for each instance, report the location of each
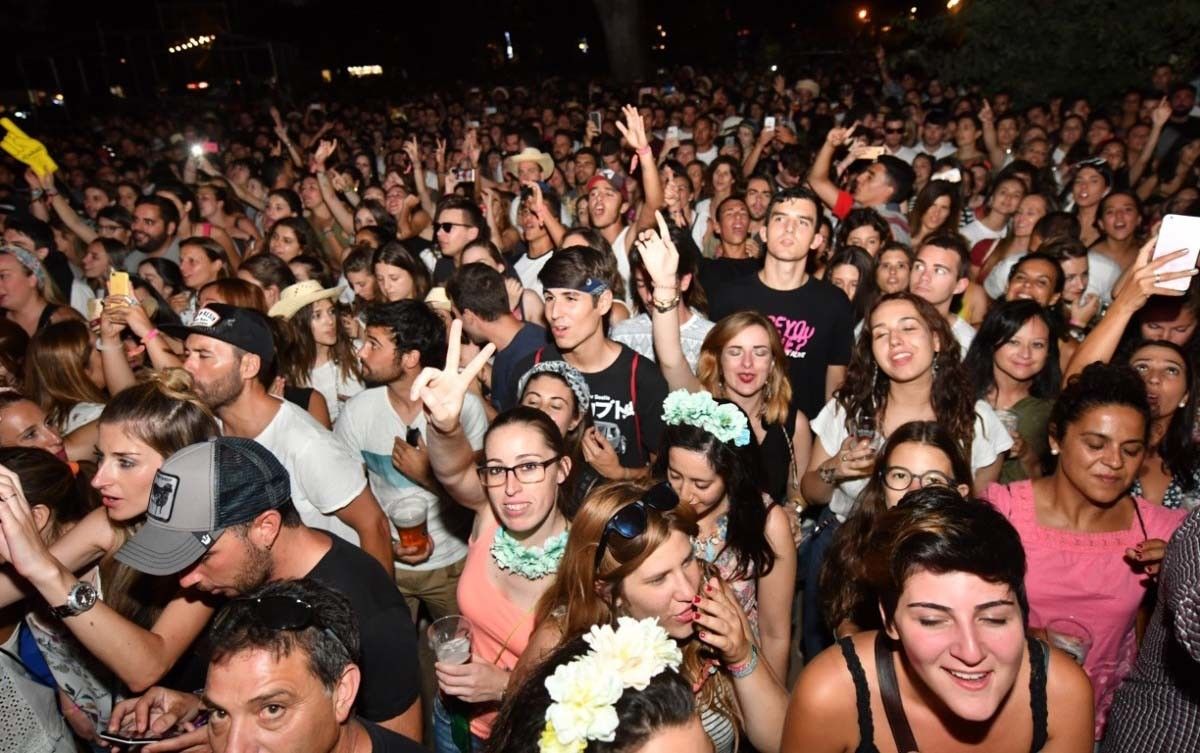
(725, 421)
(28, 260)
(585, 691)
(568, 373)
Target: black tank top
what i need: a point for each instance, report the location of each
(44, 317)
(775, 456)
(1039, 661)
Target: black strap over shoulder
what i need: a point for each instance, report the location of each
(1039, 664)
(862, 697)
(889, 692)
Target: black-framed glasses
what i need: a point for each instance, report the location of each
(898, 478)
(630, 521)
(529, 472)
(279, 612)
(448, 227)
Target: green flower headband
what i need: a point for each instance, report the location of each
(585, 691)
(725, 421)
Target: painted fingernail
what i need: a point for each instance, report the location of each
(696, 599)
(703, 635)
(708, 587)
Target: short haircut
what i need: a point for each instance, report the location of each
(479, 289)
(116, 213)
(550, 198)
(330, 641)
(936, 117)
(900, 176)
(795, 193)
(572, 268)
(951, 242)
(166, 208)
(414, 326)
(468, 207)
(38, 231)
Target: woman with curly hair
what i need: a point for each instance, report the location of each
(905, 367)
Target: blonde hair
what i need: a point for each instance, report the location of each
(778, 389)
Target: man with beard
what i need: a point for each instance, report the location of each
(758, 197)
(222, 518)
(1182, 126)
(384, 429)
(155, 222)
(231, 357)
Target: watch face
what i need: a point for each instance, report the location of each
(82, 597)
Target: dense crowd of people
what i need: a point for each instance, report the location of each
(809, 413)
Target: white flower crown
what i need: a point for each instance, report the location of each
(585, 691)
(724, 421)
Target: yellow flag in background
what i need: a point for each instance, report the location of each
(28, 150)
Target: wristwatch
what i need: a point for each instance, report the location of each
(80, 599)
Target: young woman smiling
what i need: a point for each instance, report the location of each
(1013, 365)
(629, 554)
(1090, 544)
(952, 669)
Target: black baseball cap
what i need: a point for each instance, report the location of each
(198, 493)
(244, 328)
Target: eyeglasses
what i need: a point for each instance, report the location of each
(630, 521)
(281, 613)
(898, 478)
(448, 227)
(894, 130)
(531, 472)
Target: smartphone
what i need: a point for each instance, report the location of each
(1178, 232)
(412, 436)
(210, 147)
(472, 124)
(872, 152)
(769, 123)
(197, 150)
(465, 176)
(127, 740)
(597, 119)
(489, 110)
(673, 132)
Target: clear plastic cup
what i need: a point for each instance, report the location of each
(450, 639)
(1071, 636)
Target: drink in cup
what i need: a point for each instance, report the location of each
(450, 639)
(1071, 636)
(410, 525)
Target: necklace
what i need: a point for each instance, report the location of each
(531, 563)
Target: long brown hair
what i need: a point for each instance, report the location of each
(778, 389)
(237, 292)
(865, 389)
(298, 350)
(583, 595)
(56, 370)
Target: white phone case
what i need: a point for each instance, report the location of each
(1178, 232)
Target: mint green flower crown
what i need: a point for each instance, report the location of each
(724, 421)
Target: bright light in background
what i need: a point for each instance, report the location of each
(358, 71)
(205, 40)
(583, 45)
(774, 68)
(508, 46)
(862, 14)
(953, 4)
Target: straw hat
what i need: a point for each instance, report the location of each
(295, 297)
(530, 154)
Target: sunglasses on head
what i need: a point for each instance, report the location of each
(630, 521)
(281, 613)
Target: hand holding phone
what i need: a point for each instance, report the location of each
(769, 123)
(597, 119)
(1177, 233)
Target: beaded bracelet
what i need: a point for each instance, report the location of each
(746, 668)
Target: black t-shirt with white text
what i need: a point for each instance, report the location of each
(625, 407)
(815, 322)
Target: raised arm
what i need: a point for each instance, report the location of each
(553, 224)
(342, 215)
(442, 391)
(1158, 118)
(1101, 342)
(284, 139)
(818, 176)
(413, 150)
(652, 191)
(661, 259)
(760, 144)
(66, 212)
(988, 119)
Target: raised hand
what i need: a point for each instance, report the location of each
(442, 391)
(439, 153)
(985, 113)
(1161, 113)
(1147, 277)
(635, 131)
(838, 136)
(325, 150)
(721, 623)
(22, 543)
(659, 255)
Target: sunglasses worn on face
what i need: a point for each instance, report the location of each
(630, 521)
(282, 613)
(448, 227)
(893, 130)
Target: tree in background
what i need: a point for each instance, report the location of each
(1031, 47)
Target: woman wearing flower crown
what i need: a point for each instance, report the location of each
(742, 360)
(609, 691)
(905, 367)
(708, 456)
(952, 669)
(630, 554)
(517, 492)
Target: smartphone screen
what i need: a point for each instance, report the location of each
(596, 118)
(672, 132)
(768, 122)
(1178, 232)
(127, 740)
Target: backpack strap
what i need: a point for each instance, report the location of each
(637, 421)
(537, 355)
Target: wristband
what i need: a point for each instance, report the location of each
(645, 151)
(150, 336)
(746, 668)
(663, 307)
(51, 193)
(100, 347)
(36, 194)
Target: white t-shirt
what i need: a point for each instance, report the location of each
(528, 270)
(367, 429)
(708, 156)
(80, 414)
(638, 333)
(700, 221)
(80, 295)
(909, 153)
(324, 476)
(964, 333)
(976, 231)
(990, 440)
(1103, 274)
(336, 389)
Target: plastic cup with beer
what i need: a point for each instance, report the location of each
(410, 526)
(1071, 636)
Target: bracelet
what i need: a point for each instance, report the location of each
(150, 336)
(645, 151)
(51, 193)
(663, 307)
(36, 193)
(827, 474)
(100, 348)
(746, 668)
